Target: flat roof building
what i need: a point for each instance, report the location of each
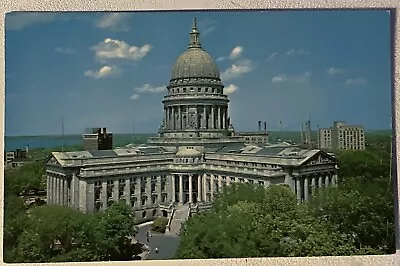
(342, 137)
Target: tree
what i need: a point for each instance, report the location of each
(271, 223)
(114, 232)
(362, 209)
(159, 224)
(15, 218)
(56, 233)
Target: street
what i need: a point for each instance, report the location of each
(167, 245)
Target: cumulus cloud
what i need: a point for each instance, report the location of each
(296, 78)
(236, 52)
(147, 88)
(105, 71)
(335, 71)
(296, 52)
(20, 20)
(116, 49)
(238, 69)
(231, 88)
(65, 50)
(272, 56)
(135, 96)
(356, 81)
(113, 21)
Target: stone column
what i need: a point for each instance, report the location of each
(116, 191)
(298, 188)
(173, 117)
(187, 116)
(334, 180)
(66, 194)
(103, 195)
(204, 187)
(180, 189)
(212, 117)
(127, 192)
(138, 192)
(204, 116)
(179, 117)
(223, 119)
(306, 192)
(58, 186)
(219, 183)
(327, 180)
(212, 186)
(199, 192)
(190, 189)
(320, 181)
(158, 189)
(148, 192)
(62, 190)
(173, 196)
(54, 188)
(219, 117)
(48, 190)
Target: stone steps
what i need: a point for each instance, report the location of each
(180, 216)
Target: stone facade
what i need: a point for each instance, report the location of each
(196, 154)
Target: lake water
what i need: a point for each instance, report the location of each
(12, 143)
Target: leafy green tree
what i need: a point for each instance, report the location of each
(269, 224)
(15, 218)
(114, 232)
(56, 233)
(362, 209)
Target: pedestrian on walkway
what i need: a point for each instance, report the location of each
(156, 250)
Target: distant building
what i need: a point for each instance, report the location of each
(15, 158)
(257, 137)
(341, 137)
(95, 139)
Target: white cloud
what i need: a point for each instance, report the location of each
(335, 71)
(279, 78)
(135, 96)
(20, 20)
(206, 27)
(147, 88)
(231, 88)
(105, 71)
(116, 49)
(237, 70)
(236, 52)
(295, 79)
(65, 50)
(272, 56)
(113, 21)
(356, 81)
(296, 52)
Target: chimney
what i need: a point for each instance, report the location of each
(259, 125)
(27, 149)
(265, 126)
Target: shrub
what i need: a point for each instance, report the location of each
(159, 224)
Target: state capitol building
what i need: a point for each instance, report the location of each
(195, 154)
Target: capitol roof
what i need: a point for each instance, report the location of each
(195, 62)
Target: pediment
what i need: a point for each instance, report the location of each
(52, 161)
(320, 158)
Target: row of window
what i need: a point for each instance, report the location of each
(199, 90)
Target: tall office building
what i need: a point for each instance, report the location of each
(95, 139)
(341, 137)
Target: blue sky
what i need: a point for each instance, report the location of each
(110, 69)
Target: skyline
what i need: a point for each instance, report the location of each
(125, 68)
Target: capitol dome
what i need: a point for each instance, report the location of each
(195, 62)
